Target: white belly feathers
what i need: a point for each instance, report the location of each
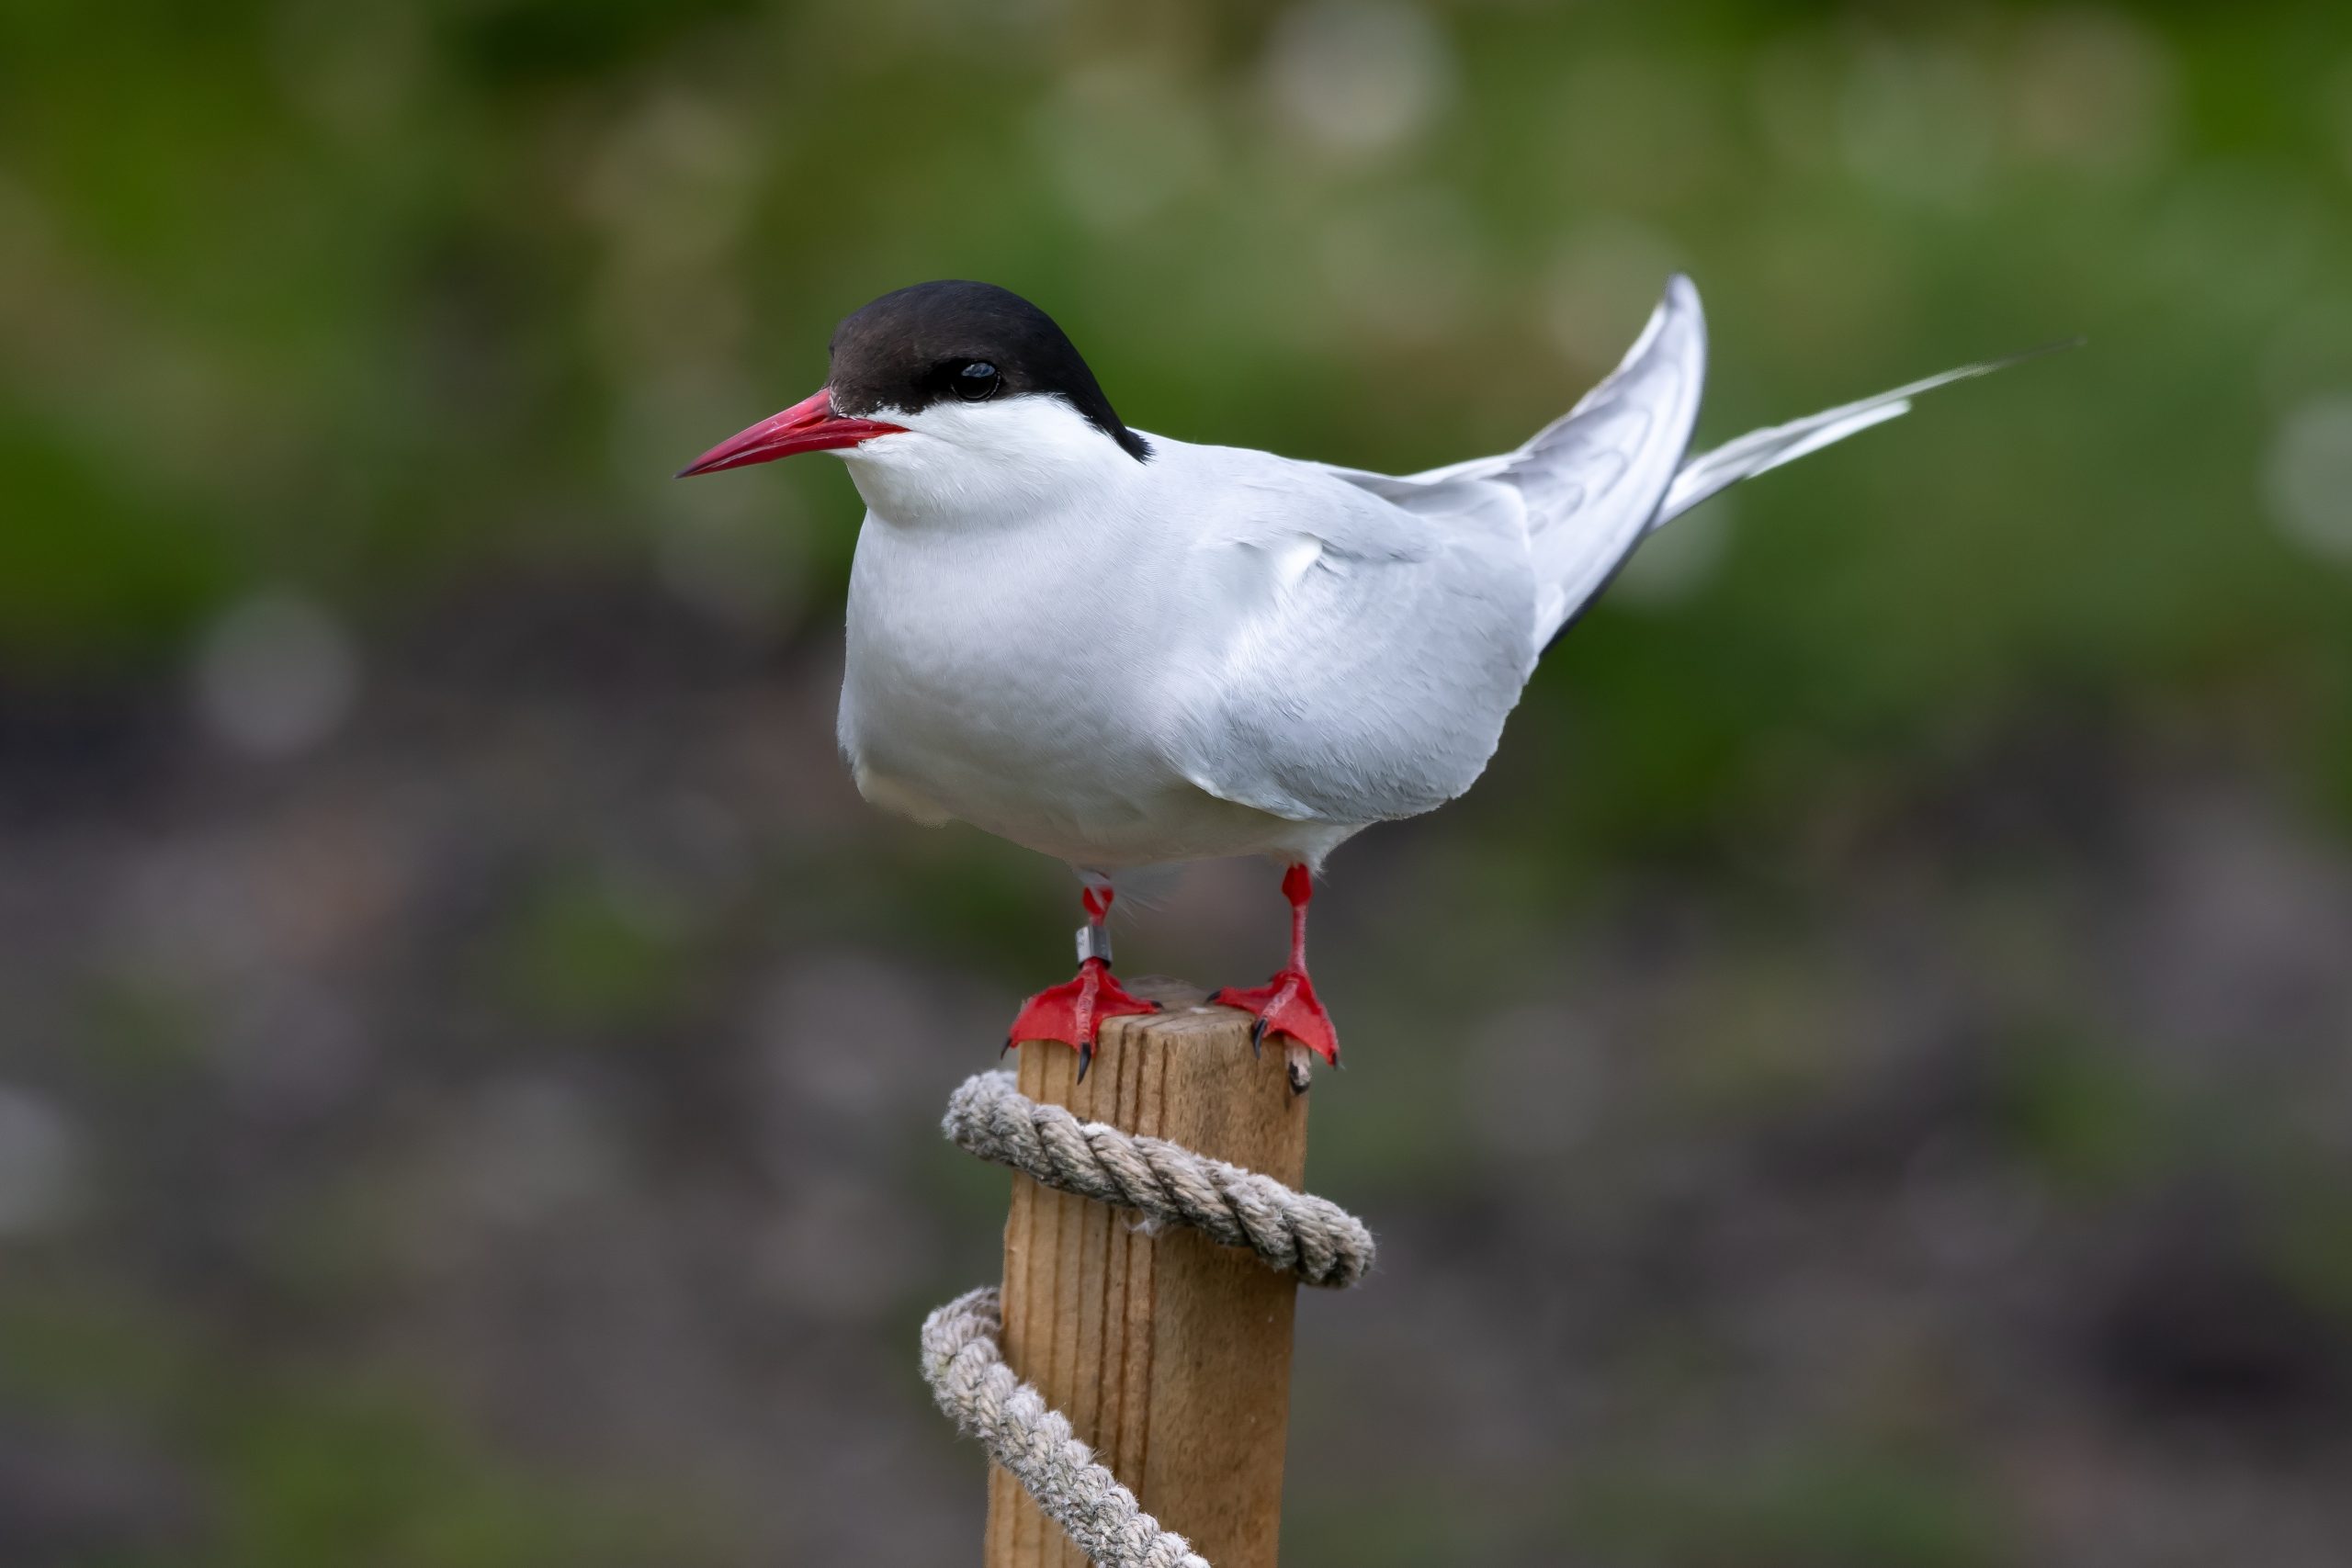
(974, 672)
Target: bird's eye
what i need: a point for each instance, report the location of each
(977, 381)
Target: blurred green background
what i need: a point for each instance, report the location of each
(1864, 1080)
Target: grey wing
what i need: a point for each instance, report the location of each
(1592, 482)
(1759, 451)
(1356, 661)
(1596, 482)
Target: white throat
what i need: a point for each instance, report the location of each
(977, 464)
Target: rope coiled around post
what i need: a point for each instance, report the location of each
(963, 1359)
(964, 1366)
(1311, 1237)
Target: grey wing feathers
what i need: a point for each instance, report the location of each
(1761, 450)
(1371, 692)
(1378, 693)
(1370, 666)
(1582, 527)
(1593, 479)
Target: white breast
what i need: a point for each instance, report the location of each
(1005, 652)
(1000, 687)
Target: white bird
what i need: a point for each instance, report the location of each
(1127, 650)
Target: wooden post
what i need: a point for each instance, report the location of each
(1169, 1354)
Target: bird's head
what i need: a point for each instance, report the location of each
(951, 399)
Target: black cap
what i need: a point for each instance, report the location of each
(972, 342)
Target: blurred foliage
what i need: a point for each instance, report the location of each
(2083, 1115)
(1859, 1510)
(584, 954)
(312, 1465)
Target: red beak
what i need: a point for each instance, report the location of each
(808, 425)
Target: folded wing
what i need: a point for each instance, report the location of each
(1349, 660)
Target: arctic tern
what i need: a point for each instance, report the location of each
(1126, 650)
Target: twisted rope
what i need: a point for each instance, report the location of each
(1311, 1237)
(965, 1368)
(963, 1358)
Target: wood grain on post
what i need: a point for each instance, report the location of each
(1169, 1354)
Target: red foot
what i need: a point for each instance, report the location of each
(1286, 1004)
(1071, 1011)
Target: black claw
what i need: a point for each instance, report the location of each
(1085, 1059)
(1000, 1056)
(1257, 1036)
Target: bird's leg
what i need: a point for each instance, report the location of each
(1286, 1004)
(1072, 1012)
